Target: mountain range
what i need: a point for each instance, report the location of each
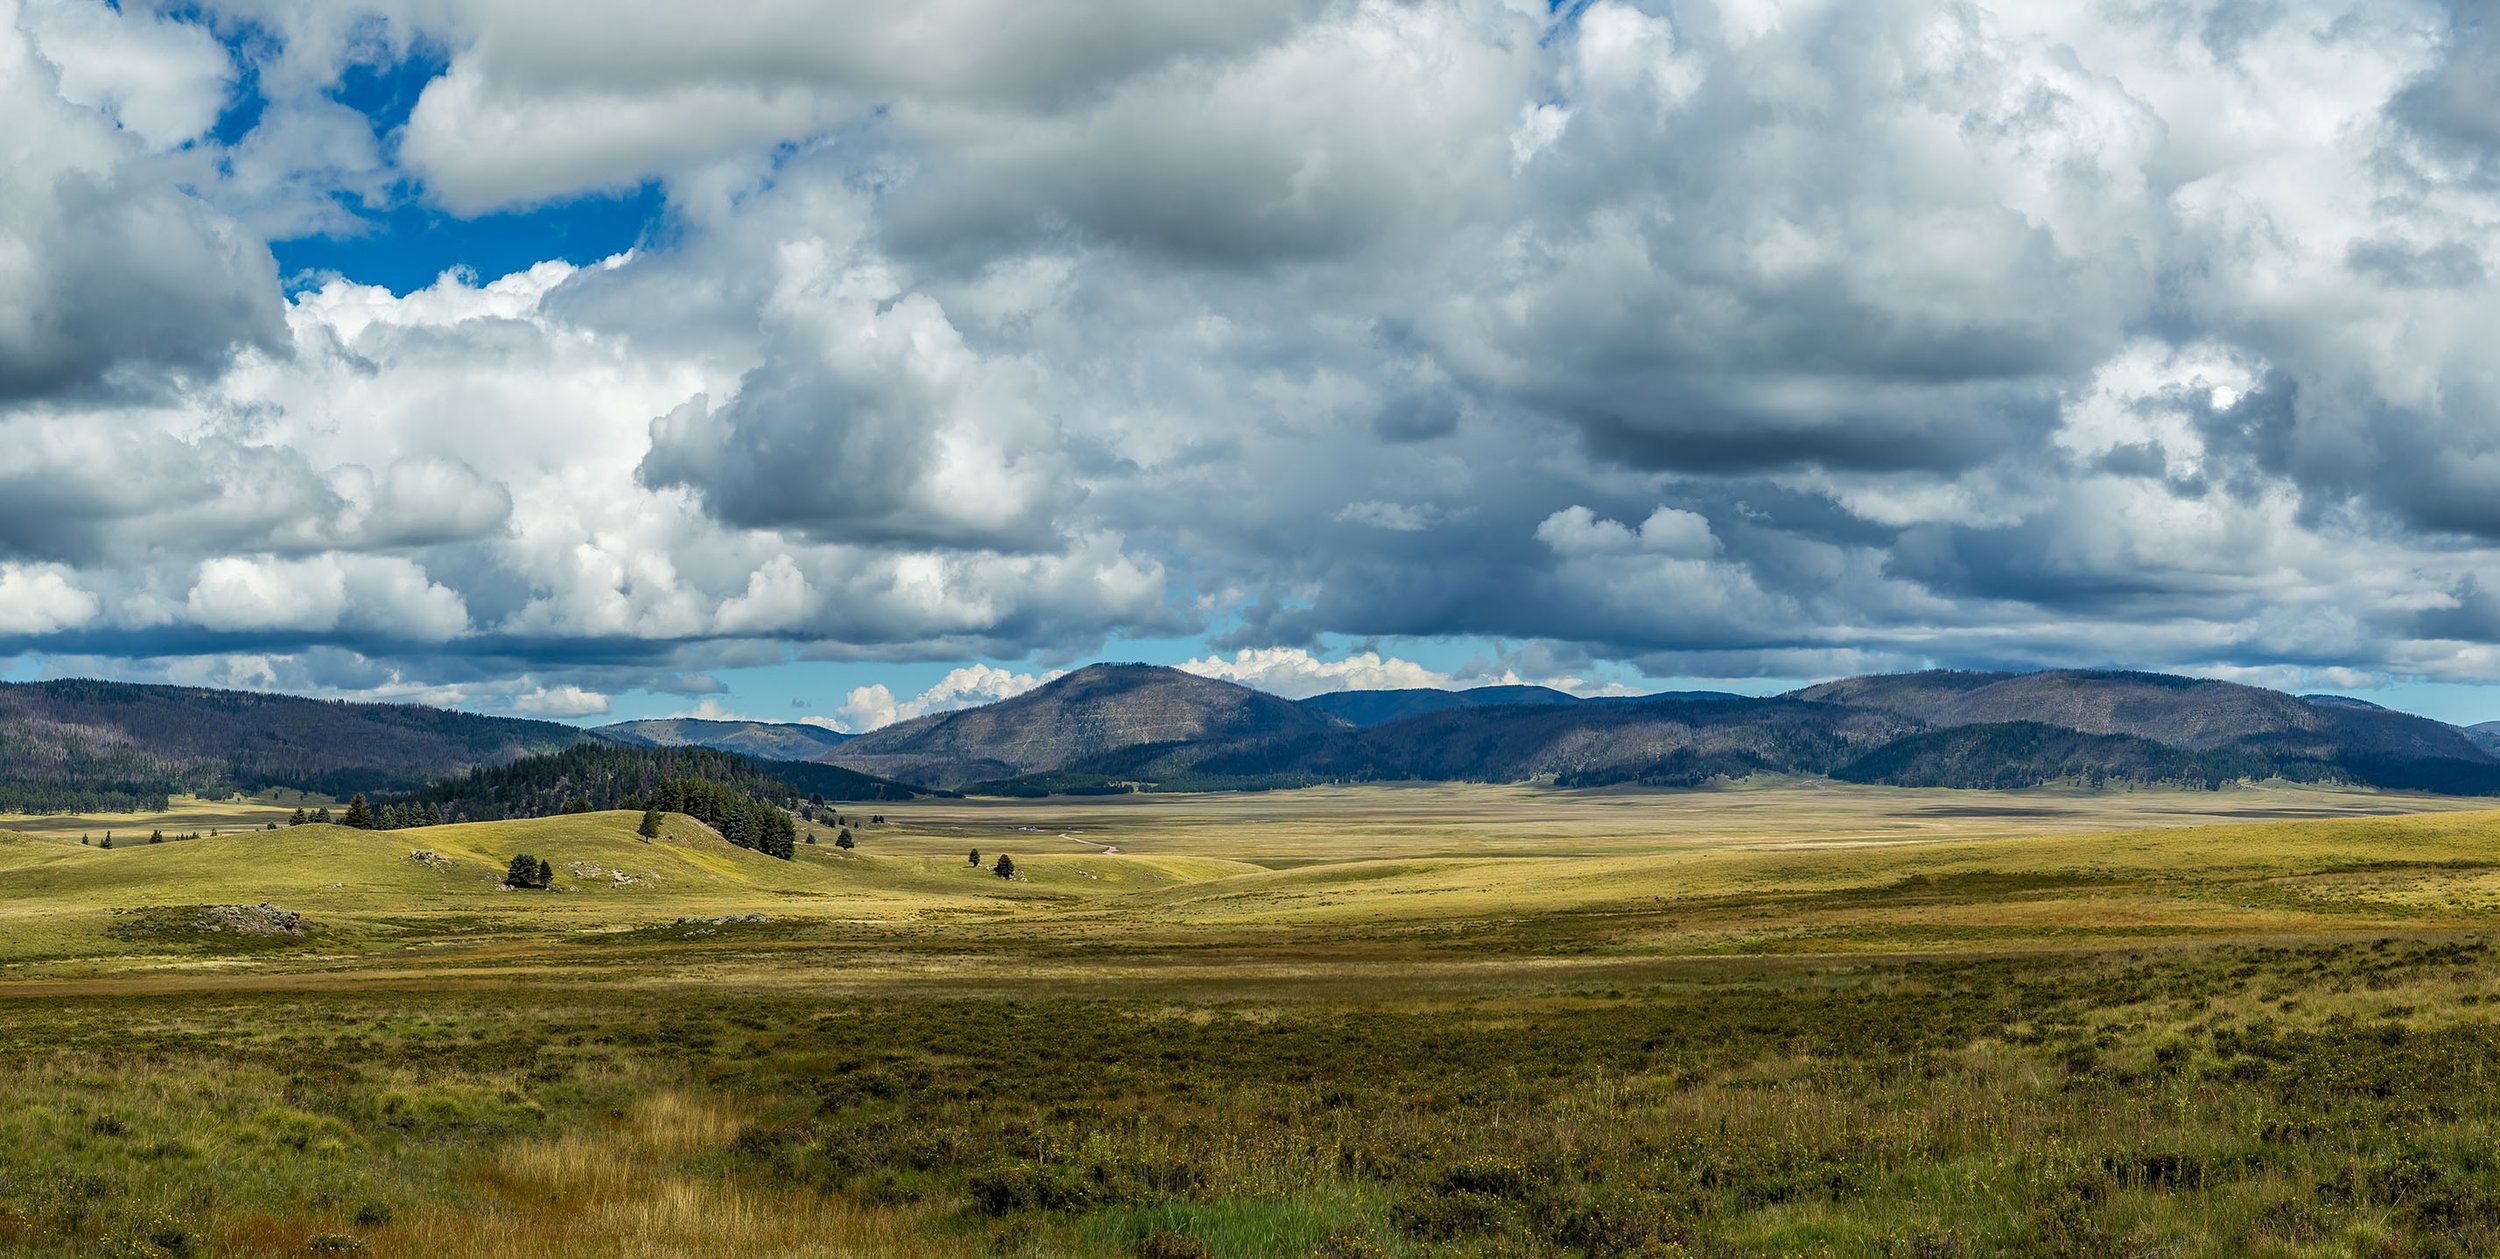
(92, 746)
(1123, 727)
(81, 745)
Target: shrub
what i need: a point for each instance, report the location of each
(528, 871)
(1349, 1241)
(1163, 1243)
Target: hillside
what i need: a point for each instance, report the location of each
(1915, 730)
(1372, 708)
(2198, 714)
(593, 775)
(2485, 735)
(1679, 743)
(763, 740)
(1093, 711)
(297, 860)
(86, 745)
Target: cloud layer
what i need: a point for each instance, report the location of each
(1768, 338)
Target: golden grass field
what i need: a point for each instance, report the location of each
(1779, 1018)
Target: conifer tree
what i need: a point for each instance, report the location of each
(359, 814)
(1006, 867)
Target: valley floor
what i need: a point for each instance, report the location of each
(1785, 1018)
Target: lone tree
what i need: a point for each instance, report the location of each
(650, 823)
(1006, 867)
(527, 871)
(359, 814)
(843, 840)
(299, 817)
(976, 856)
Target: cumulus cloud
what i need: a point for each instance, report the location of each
(41, 599)
(108, 271)
(1297, 674)
(557, 702)
(161, 80)
(1717, 339)
(874, 706)
(388, 597)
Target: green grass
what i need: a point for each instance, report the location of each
(1464, 1021)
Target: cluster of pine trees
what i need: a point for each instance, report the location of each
(594, 776)
(741, 819)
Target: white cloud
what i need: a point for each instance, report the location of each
(557, 702)
(384, 596)
(874, 706)
(164, 81)
(42, 599)
(1295, 673)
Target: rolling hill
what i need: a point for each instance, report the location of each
(85, 745)
(1096, 710)
(763, 740)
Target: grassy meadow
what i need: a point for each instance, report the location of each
(1777, 1019)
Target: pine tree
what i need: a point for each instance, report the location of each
(321, 816)
(359, 814)
(976, 856)
(1006, 867)
(527, 871)
(108, 840)
(843, 840)
(299, 817)
(156, 837)
(650, 823)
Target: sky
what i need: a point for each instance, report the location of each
(841, 362)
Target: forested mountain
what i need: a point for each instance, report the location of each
(2486, 735)
(85, 745)
(1924, 730)
(2194, 713)
(1371, 708)
(1678, 743)
(764, 740)
(594, 775)
(1095, 710)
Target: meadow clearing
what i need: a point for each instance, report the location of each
(1781, 1018)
